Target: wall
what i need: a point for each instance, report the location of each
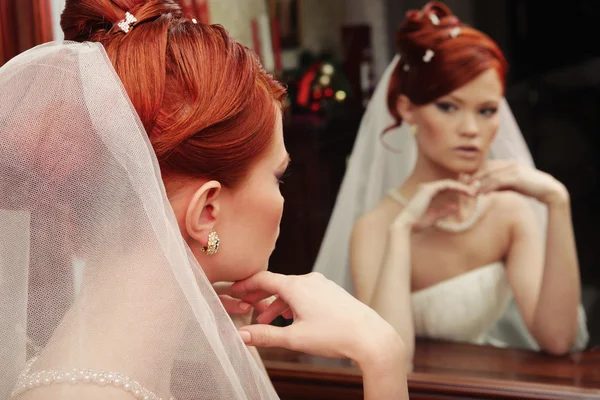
(322, 22)
(57, 7)
(373, 13)
(320, 25)
(236, 16)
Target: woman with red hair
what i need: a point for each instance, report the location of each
(444, 252)
(140, 164)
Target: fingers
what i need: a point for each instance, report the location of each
(275, 309)
(234, 306)
(265, 282)
(262, 305)
(490, 168)
(222, 287)
(288, 314)
(449, 184)
(499, 180)
(264, 336)
(256, 297)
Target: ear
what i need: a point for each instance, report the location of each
(405, 108)
(203, 211)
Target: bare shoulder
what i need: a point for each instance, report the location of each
(511, 207)
(376, 220)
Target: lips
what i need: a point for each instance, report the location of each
(467, 151)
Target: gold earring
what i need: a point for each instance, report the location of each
(414, 129)
(213, 244)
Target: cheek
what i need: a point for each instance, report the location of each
(277, 211)
(269, 210)
(491, 129)
(433, 134)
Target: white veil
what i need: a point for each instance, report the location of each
(95, 277)
(373, 169)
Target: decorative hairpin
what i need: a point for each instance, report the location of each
(428, 55)
(455, 32)
(434, 19)
(127, 23)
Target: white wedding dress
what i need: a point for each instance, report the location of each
(477, 307)
(463, 308)
(458, 309)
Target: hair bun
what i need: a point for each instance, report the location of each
(422, 29)
(438, 54)
(92, 20)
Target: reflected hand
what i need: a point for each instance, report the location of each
(433, 201)
(528, 181)
(328, 321)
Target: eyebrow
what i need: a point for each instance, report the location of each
(483, 103)
(456, 98)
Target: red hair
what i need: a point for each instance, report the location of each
(456, 60)
(208, 106)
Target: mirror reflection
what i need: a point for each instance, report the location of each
(452, 207)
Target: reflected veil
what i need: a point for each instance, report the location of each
(379, 163)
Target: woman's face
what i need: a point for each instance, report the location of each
(246, 217)
(456, 131)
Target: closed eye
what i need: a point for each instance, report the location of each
(280, 177)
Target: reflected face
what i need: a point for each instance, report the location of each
(456, 131)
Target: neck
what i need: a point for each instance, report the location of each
(426, 171)
(129, 318)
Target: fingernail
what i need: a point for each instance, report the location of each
(245, 306)
(245, 335)
(261, 319)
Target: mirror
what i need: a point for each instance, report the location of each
(551, 92)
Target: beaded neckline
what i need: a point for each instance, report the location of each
(77, 376)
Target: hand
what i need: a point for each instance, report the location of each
(511, 175)
(235, 306)
(328, 321)
(433, 201)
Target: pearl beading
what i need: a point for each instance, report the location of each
(76, 376)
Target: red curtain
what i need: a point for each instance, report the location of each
(23, 25)
(196, 9)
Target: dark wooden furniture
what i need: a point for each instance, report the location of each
(445, 371)
(318, 149)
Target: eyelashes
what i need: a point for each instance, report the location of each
(445, 106)
(281, 177)
(489, 111)
(448, 108)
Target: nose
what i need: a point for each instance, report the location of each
(468, 126)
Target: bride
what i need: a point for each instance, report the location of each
(454, 239)
(139, 166)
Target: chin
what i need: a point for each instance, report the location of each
(465, 166)
(247, 273)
